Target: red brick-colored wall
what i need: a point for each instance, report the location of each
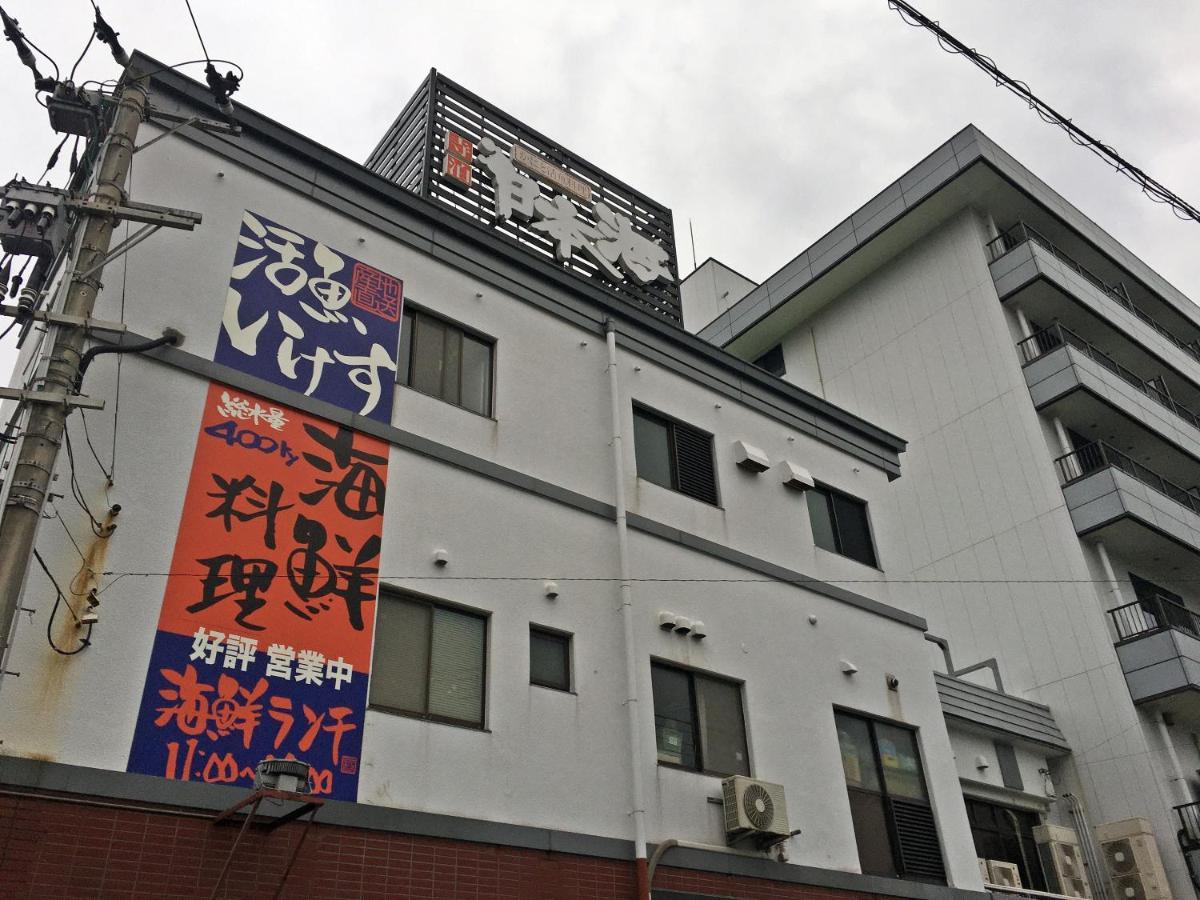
(52, 848)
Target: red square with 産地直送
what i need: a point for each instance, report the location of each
(376, 292)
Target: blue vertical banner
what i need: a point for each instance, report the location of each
(306, 317)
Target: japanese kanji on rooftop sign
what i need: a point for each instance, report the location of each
(264, 640)
(309, 318)
(610, 240)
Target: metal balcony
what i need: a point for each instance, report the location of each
(1057, 336)
(1152, 615)
(1158, 646)
(1096, 456)
(1021, 233)
(1136, 512)
(1189, 822)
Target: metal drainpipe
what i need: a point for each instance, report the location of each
(1098, 872)
(1023, 323)
(1182, 793)
(1114, 586)
(631, 667)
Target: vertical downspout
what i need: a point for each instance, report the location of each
(1023, 323)
(1098, 871)
(1071, 466)
(631, 668)
(1182, 794)
(1114, 586)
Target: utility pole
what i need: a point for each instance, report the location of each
(47, 420)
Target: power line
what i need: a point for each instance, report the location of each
(197, 27)
(802, 580)
(82, 54)
(1152, 188)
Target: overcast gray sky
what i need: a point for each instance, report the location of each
(765, 123)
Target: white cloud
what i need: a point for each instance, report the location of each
(765, 123)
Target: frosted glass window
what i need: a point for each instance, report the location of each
(429, 660)
(445, 361)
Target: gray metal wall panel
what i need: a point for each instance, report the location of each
(996, 711)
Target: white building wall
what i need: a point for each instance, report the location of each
(546, 759)
(924, 347)
(971, 747)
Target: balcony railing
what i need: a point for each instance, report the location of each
(1099, 455)
(1189, 820)
(1151, 614)
(1020, 233)
(1050, 339)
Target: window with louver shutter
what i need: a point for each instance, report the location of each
(894, 825)
(674, 455)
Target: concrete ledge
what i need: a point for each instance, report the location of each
(48, 779)
(204, 368)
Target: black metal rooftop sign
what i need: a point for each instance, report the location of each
(454, 147)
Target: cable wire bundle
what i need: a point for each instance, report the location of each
(1152, 188)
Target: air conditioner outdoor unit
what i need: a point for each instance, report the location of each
(1062, 860)
(1003, 873)
(754, 809)
(1135, 869)
(983, 870)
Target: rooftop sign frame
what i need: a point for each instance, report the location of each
(412, 154)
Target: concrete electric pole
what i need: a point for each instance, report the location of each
(49, 406)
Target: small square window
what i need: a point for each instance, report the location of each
(772, 361)
(840, 524)
(445, 361)
(549, 658)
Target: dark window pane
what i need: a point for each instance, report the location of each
(722, 726)
(452, 367)
(854, 533)
(440, 359)
(772, 361)
(1007, 834)
(405, 360)
(456, 666)
(549, 659)
(429, 345)
(400, 666)
(858, 756)
(899, 761)
(674, 730)
(821, 516)
(875, 854)
(652, 448)
(1010, 772)
(477, 376)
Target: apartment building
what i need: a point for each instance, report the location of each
(1048, 520)
(437, 496)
